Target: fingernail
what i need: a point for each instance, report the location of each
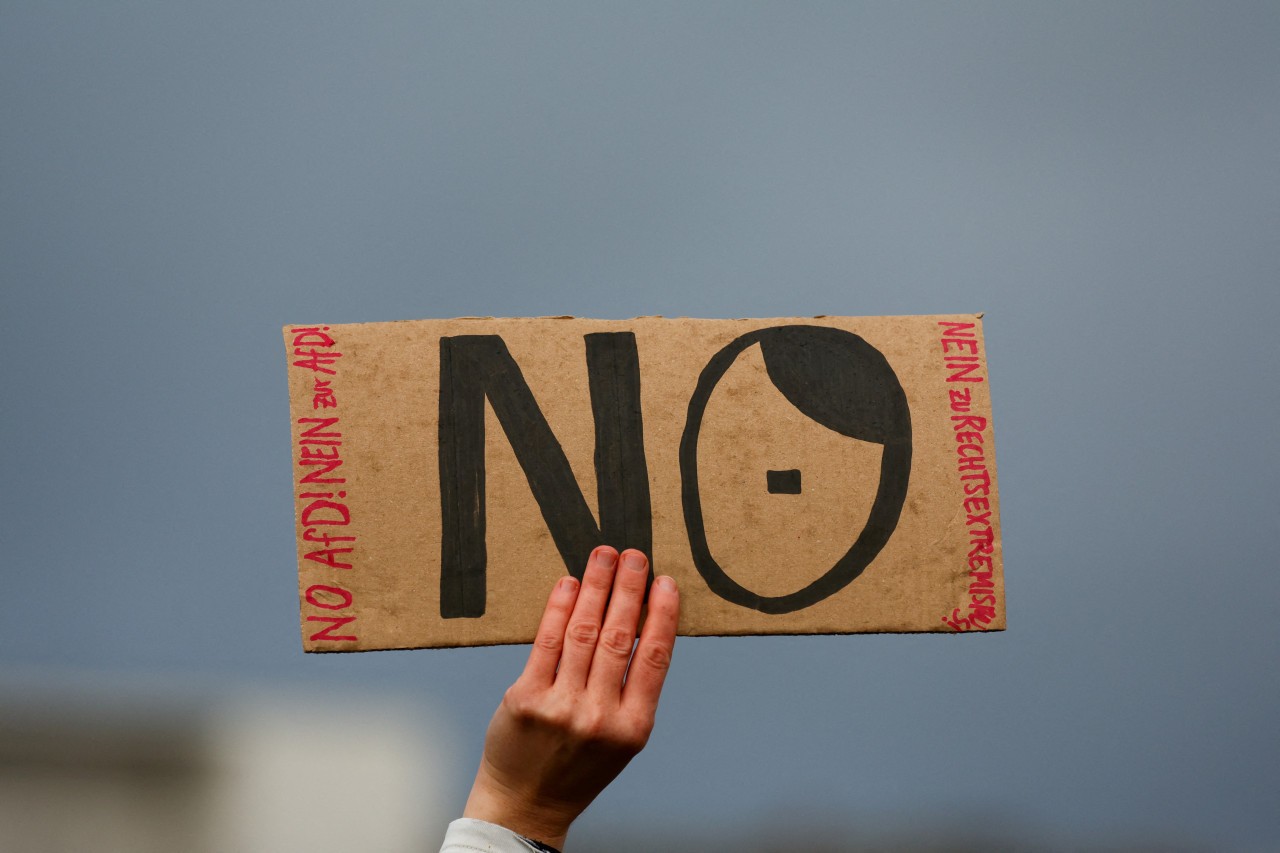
(566, 583)
(635, 561)
(666, 584)
(607, 557)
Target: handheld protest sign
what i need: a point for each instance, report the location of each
(796, 476)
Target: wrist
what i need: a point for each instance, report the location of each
(494, 802)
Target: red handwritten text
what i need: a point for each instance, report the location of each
(324, 398)
(323, 514)
(972, 438)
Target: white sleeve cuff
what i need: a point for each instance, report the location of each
(467, 835)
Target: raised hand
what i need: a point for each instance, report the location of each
(585, 703)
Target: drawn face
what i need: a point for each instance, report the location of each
(779, 490)
(811, 440)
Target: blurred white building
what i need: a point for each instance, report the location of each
(94, 769)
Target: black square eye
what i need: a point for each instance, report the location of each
(784, 482)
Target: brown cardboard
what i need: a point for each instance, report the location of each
(801, 476)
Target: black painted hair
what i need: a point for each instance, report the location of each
(837, 379)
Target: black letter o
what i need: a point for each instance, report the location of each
(842, 382)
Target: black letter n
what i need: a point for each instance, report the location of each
(473, 367)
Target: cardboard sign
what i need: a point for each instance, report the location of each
(795, 476)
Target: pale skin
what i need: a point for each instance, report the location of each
(585, 703)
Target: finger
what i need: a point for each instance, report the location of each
(545, 655)
(588, 612)
(618, 634)
(652, 657)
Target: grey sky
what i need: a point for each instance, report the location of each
(178, 181)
